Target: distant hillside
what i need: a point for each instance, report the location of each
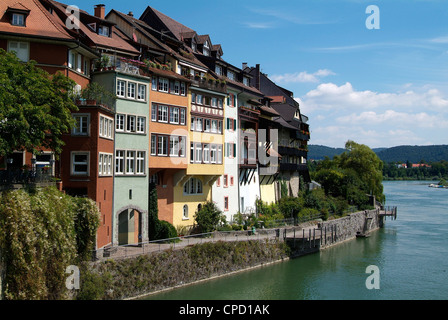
(414, 154)
(316, 152)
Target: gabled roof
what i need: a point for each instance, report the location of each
(39, 22)
(115, 42)
(171, 25)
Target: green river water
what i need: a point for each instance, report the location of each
(411, 254)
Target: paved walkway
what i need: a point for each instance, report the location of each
(159, 246)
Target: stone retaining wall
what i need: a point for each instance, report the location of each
(347, 227)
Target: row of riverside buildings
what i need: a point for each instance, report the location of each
(197, 126)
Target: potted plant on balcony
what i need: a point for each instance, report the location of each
(94, 94)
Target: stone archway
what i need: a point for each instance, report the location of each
(130, 229)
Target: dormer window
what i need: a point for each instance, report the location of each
(18, 19)
(193, 45)
(206, 49)
(246, 81)
(104, 31)
(18, 14)
(230, 75)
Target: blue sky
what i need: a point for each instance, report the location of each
(381, 87)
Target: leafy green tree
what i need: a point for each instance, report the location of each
(209, 217)
(35, 108)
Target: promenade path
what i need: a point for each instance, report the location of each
(279, 233)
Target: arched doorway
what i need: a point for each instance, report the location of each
(129, 227)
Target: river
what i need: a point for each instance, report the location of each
(410, 253)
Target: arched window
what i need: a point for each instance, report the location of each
(193, 186)
(185, 212)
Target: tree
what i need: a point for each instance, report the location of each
(209, 217)
(35, 108)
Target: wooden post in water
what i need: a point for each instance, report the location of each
(303, 239)
(309, 237)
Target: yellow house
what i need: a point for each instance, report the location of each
(205, 150)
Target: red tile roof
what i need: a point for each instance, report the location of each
(39, 22)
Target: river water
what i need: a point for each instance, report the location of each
(410, 253)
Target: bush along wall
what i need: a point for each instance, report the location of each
(42, 232)
(145, 274)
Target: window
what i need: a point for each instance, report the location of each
(193, 97)
(163, 113)
(154, 179)
(141, 92)
(219, 155)
(226, 181)
(80, 163)
(131, 123)
(214, 126)
(82, 125)
(153, 145)
(213, 154)
(231, 180)
(183, 117)
(177, 146)
(206, 153)
(215, 102)
(18, 19)
(174, 115)
(105, 164)
(131, 90)
(199, 99)
(176, 87)
(231, 75)
(154, 113)
(193, 186)
(106, 125)
(121, 85)
(226, 203)
(141, 155)
(183, 90)
(198, 124)
(21, 49)
(206, 49)
(154, 83)
(162, 145)
(130, 162)
(246, 81)
(185, 212)
(206, 125)
(141, 124)
(218, 70)
(119, 162)
(163, 85)
(198, 153)
(103, 31)
(119, 122)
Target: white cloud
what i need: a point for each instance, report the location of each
(338, 113)
(329, 96)
(302, 76)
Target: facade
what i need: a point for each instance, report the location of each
(198, 127)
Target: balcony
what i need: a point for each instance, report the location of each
(17, 179)
(208, 84)
(293, 167)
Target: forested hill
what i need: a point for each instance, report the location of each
(413, 154)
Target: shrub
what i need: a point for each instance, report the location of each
(209, 217)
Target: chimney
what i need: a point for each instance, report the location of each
(244, 65)
(100, 11)
(131, 14)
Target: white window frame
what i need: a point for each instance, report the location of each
(19, 48)
(121, 88)
(120, 161)
(120, 121)
(77, 129)
(140, 163)
(132, 88)
(163, 85)
(141, 124)
(141, 93)
(130, 162)
(105, 164)
(105, 127)
(18, 19)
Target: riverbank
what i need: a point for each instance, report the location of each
(137, 277)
